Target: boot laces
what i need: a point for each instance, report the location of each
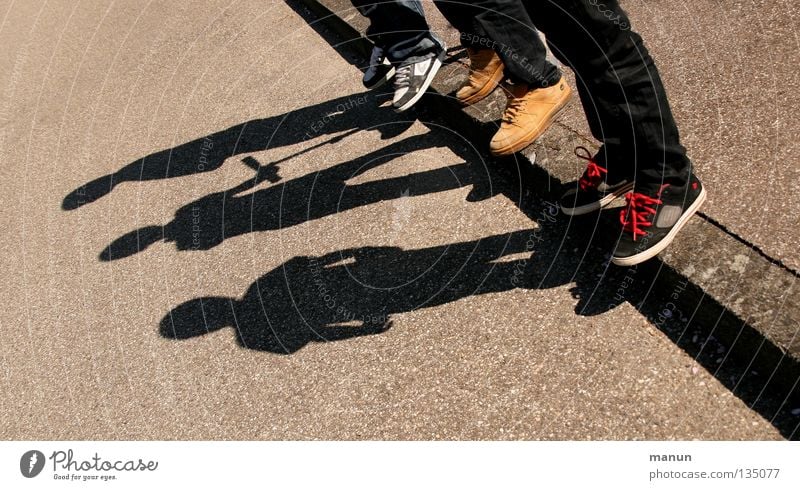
(516, 105)
(638, 213)
(402, 76)
(593, 175)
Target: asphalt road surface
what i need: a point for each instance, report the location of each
(212, 231)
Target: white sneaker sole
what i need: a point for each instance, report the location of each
(437, 63)
(381, 81)
(658, 248)
(605, 201)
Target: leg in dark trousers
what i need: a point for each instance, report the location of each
(627, 108)
(501, 39)
(400, 28)
(504, 26)
(620, 88)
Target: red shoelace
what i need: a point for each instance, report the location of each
(594, 172)
(638, 212)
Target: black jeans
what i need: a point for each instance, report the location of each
(618, 83)
(400, 29)
(503, 25)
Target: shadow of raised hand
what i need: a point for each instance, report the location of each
(207, 222)
(353, 112)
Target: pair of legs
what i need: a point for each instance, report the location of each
(400, 29)
(405, 49)
(503, 44)
(622, 95)
(506, 28)
(618, 83)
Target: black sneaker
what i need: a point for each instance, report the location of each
(593, 191)
(412, 80)
(379, 71)
(650, 222)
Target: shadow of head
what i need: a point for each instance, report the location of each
(131, 243)
(282, 331)
(202, 316)
(197, 317)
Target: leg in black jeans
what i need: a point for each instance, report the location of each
(400, 28)
(503, 25)
(620, 89)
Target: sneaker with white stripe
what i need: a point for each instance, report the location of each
(651, 221)
(413, 79)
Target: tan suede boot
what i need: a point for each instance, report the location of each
(485, 72)
(529, 113)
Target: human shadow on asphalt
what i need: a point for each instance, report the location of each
(208, 221)
(355, 292)
(210, 152)
(349, 293)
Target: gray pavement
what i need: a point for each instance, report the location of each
(385, 281)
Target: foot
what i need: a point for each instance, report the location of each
(379, 71)
(650, 222)
(595, 189)
(485, 73)
(530, 111)
(413, 79)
